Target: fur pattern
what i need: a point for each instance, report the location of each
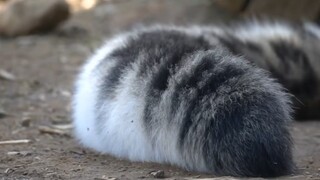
(190, 97)
(289, 51)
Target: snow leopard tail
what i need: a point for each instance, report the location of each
(171, 96)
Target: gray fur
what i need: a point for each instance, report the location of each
(181, 96)
(289, 51)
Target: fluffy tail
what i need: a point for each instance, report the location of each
(204, 110)
(229, 118)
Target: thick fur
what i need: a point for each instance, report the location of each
(289, 51)
(185, 96)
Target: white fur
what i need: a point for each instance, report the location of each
(260, 31)
(312, 28)
(85, 97)
(122, 134)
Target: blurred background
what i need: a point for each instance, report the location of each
(44, 42)
(21, 17)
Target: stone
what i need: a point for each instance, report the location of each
(24, 17)
(158, 174)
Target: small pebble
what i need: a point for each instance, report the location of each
(3, 114)
(19, 153)
(104, 177)
(158, 174)
(25, 122)
(8, 171)
(6, 75)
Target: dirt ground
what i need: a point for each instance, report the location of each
(39, 96)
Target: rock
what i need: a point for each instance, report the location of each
(25, 122)
(157, 174)
(19, 153)
(104, 177)
(23, 17)
(2, 5)
(6, 75)
(217, 178)
(3, 114)
(8, 171)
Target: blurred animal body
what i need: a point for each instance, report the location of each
(197, 97)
